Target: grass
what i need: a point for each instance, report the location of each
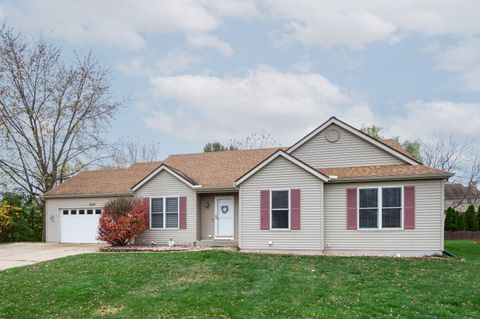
(217, 284)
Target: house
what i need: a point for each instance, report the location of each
(460, 197)
(335, 191)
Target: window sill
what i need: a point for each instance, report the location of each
(164, 229)
(379, 229)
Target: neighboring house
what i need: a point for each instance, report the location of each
(336, 190)
(460, 197)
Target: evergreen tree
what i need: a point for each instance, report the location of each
(478, 217)
(455, 218)
(450, 219)
(471, 219)
(461, 225)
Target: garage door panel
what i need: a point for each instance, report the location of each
(79, 225)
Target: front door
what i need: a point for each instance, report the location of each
(224, 210)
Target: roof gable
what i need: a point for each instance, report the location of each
(365, 137)
(218, 169)
(176, 173)
(292, 159)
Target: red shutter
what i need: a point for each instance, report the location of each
(352, 208)
(183, 212)
(265, 210)
(146, 210)
(295, 207)
(409, 207)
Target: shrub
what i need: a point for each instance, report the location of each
(8, 215)
(123, 219)
(20, 220)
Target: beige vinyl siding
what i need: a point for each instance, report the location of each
(207, 220)
(207, 216)
(282, 174)
(53, 207)
(349, 150)
(427, 235)
(165, 184)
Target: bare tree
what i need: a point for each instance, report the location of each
(129, 151)
(446, 152)
(456, 155)
(253, 141)
(51, 113)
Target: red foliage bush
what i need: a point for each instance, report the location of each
(119, 230)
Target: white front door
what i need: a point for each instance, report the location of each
(224, 217)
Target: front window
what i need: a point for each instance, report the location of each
(392, 207)
(164, 213)
(368, 209)
(280, 209)
(380, 208)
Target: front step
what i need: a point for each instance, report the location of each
(217, 243)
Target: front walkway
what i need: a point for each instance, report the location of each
(22, 254)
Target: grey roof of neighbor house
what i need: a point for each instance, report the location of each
(459, 191)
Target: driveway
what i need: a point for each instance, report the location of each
(21, 254)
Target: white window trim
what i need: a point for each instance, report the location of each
(289, 209)
(380, 207)
(165, 213)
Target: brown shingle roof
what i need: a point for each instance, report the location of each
(218, 169)
(106, 181)
(395, 145)
(211, 170)
(397, 170)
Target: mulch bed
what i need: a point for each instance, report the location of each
(138, 248)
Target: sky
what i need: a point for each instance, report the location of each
(200, 71)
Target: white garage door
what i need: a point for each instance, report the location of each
(79, 225)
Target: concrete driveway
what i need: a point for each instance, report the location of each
(21, 254)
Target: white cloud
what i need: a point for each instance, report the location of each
(425, 119)
(120, 23)
(133, 67)
(284, 104)
(303, 64)
(175, 61)
(172, 62)
(234, 8)
(288, 105)
(463, 58)
(210, 41)
(355, 24)
(330, 29)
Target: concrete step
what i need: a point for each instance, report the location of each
(217, 243)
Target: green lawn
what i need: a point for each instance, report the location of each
(216, 284)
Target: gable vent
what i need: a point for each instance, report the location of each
(332, 135)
